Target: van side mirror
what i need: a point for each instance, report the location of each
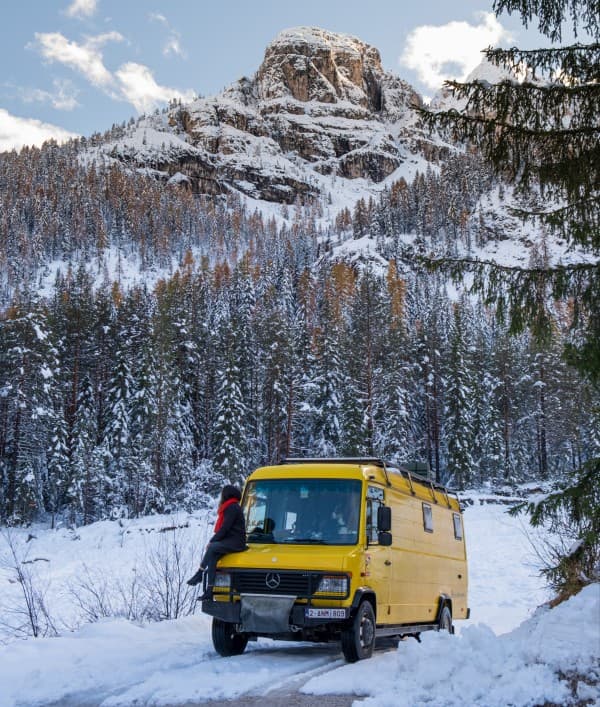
(384, 518)
(384, 538)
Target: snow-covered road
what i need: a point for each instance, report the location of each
(116, 662)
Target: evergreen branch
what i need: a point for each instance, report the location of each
(540, 107)
(578, 222)
(452, 116)
(563, 211)
(552, 14)
(574, 509)
(580, 63)
(551, 159)
(580, 498)
(475, 262)
(522, 295)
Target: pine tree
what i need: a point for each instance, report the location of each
(431, 342)
(330, 383)
(57, 465)
(395, 384)
(30, 364)
(117, 438)
(143, 421)
(543, 134)
(229, 436)
(459, 403)
(85, 489)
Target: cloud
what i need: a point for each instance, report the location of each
(16, 132)
(64, 96)
(85, 58)
(132, 82)
(159, 18)
(137, 85)
(451, 51)
(82, 8)
(172, 44)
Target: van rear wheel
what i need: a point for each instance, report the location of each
(358, 639)
(226, 640)
(445, 623)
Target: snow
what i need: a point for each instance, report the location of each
(479, 667)
(316, 37)
(179, 178)
(516, 244)
(508, 653)
(360, 250)
(41, 335)
(485, 72)
(112, 265)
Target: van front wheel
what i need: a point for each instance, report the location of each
(226, 640)
(358, 639)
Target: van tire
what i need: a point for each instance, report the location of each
(358, 638)
(226, 640)
(445, 623)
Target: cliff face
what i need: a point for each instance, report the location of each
(315, 65)
(319, 104)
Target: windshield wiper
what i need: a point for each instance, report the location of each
(265, 538)
(312, 541)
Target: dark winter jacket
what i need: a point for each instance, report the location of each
(233, 529)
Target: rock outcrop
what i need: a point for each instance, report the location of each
(319, 104)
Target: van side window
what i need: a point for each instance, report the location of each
(427, 518)
(372, 530)
(458, 531)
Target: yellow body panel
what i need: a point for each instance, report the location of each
(407, 578)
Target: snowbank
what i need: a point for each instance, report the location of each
(101, 657)
(528, 666)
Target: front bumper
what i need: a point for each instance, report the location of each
(230, 611)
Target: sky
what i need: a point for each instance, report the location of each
(74, 67)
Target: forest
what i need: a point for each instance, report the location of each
(245, 339)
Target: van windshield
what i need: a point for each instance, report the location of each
(303, 511)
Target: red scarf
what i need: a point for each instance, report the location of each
(221, 512)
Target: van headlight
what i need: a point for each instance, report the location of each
(223, 580)
(333, 584)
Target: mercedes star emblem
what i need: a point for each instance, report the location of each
(272, 580)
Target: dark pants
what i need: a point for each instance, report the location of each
(213, 553)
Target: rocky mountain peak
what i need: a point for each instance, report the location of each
(312, 64)
(320, 107)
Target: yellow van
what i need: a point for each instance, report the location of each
(345, 549)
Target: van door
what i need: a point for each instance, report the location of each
(377, 557)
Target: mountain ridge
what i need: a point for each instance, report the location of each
(320, 105)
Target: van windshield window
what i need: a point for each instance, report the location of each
(303, 511)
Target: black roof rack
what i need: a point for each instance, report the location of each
(375, 461)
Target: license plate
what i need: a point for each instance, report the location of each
(312, 613)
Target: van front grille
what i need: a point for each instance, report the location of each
(296, 583)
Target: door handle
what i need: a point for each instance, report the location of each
(387, 562)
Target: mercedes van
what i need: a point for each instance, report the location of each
(346, 549)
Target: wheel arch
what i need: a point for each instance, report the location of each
(444, 600)
(362, 594)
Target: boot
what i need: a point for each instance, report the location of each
(197, 578)
(208, 594)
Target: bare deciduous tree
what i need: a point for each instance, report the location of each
(28, 613)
